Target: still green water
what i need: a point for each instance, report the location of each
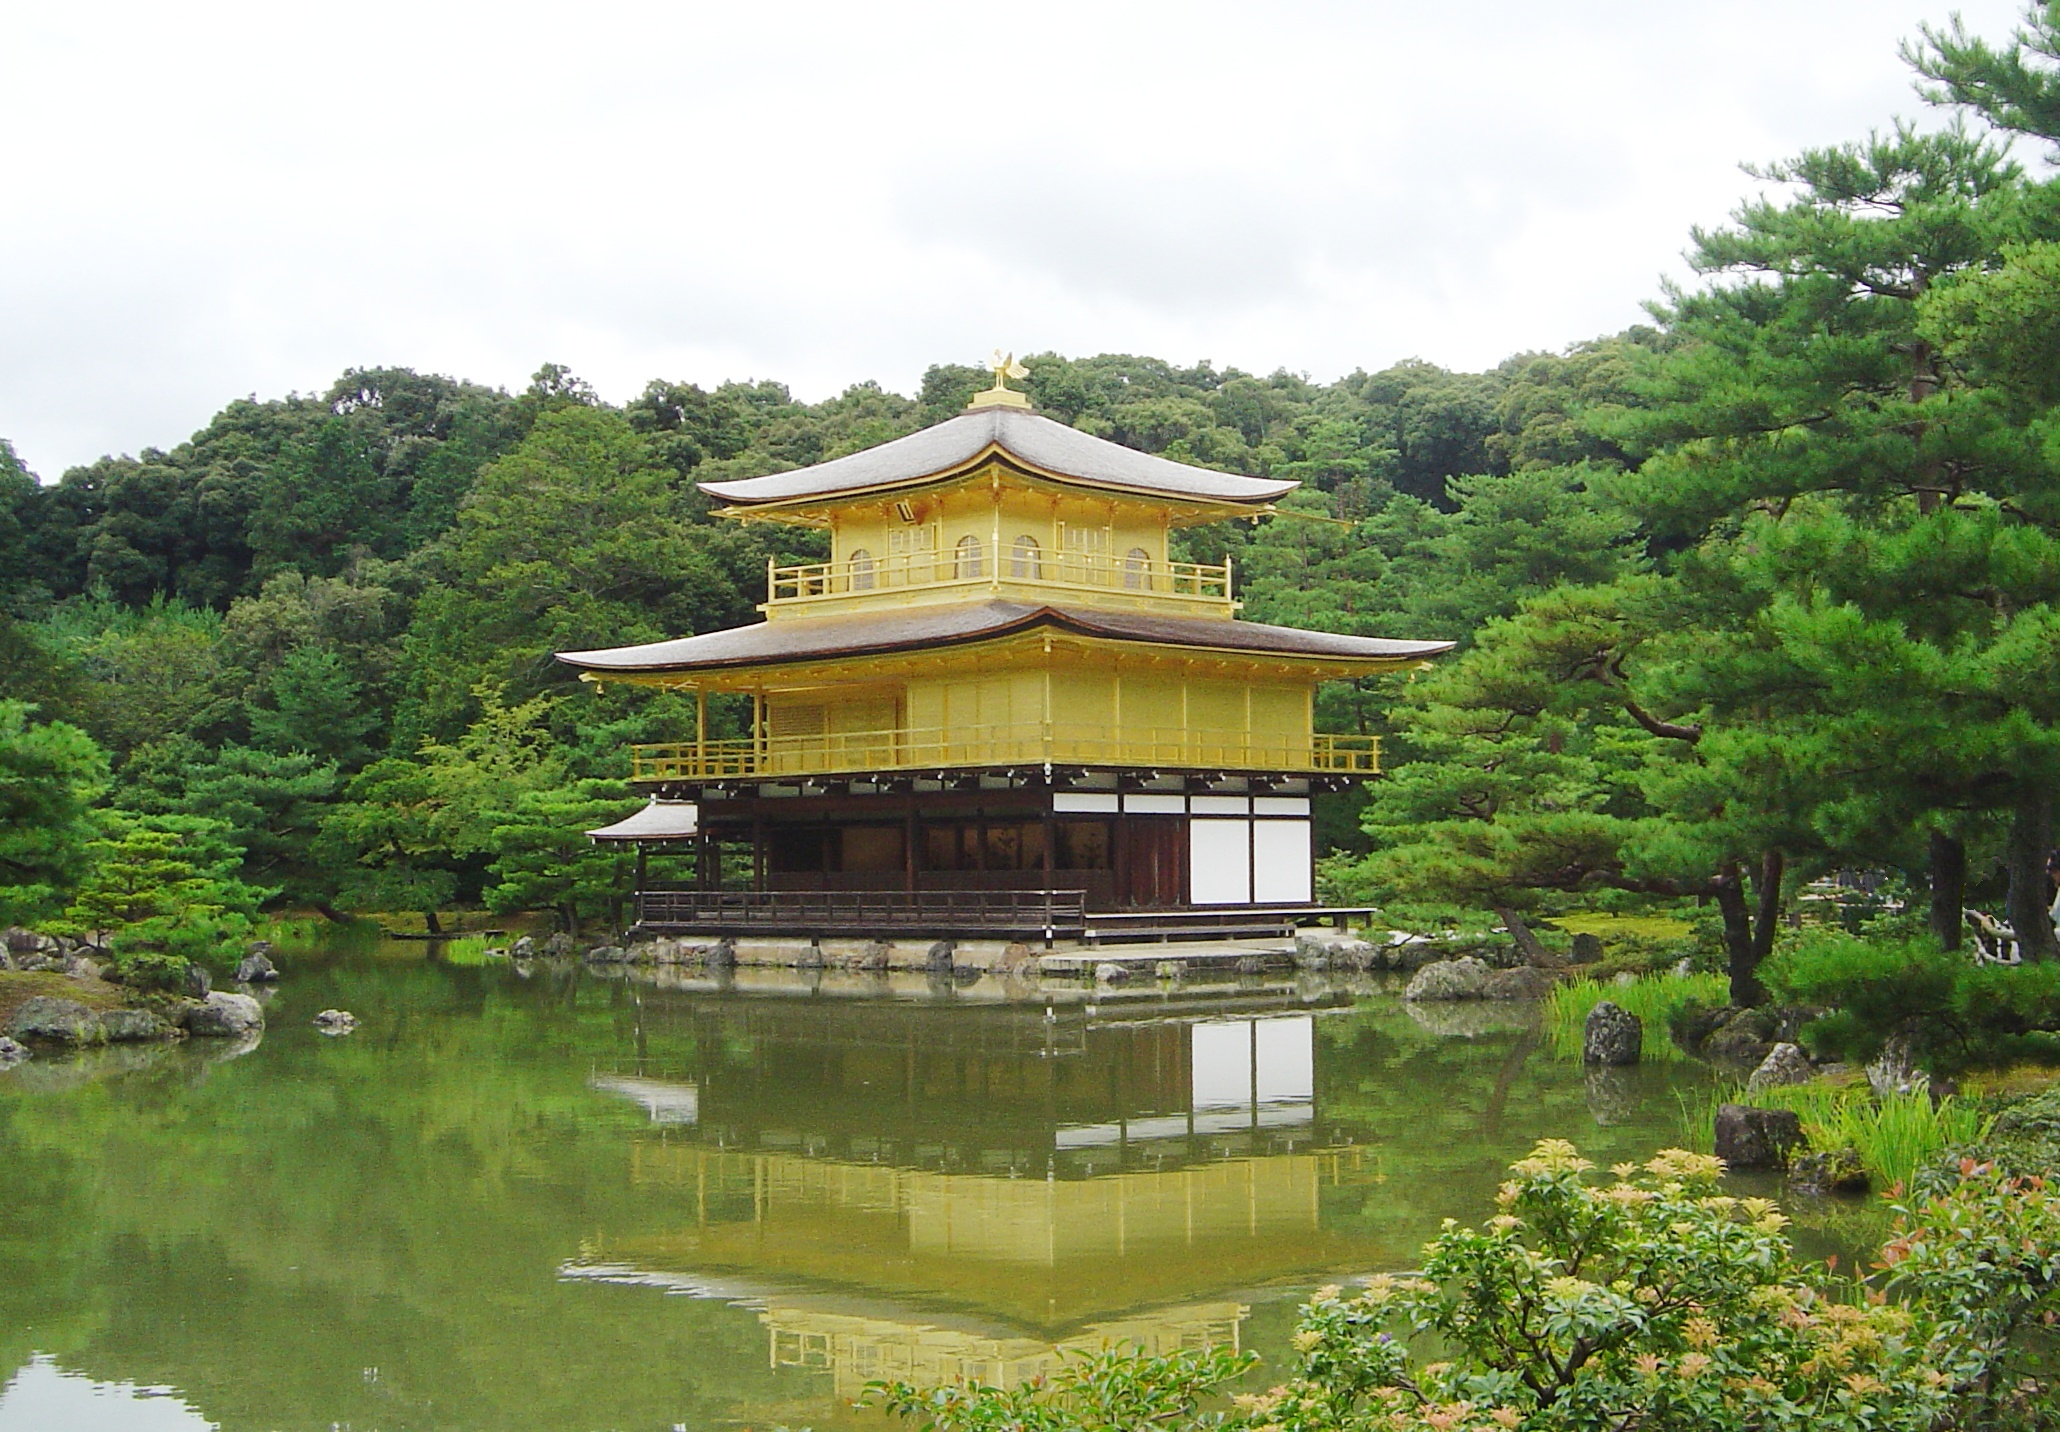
(541, 1199)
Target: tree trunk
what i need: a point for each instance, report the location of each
(1749, 940)
(330, 913)
(1773, 865)
(1948, 887)
(430, 923)
(1527, 942)
(1730, 895)
(2029, 907)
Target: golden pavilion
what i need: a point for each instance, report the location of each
(1001, 707)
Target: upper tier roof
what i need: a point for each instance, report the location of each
(1038, 443)
(772, 643)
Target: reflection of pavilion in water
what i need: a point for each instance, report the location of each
(929, 1197)
(1012, 1090)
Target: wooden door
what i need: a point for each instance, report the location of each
(1154, 867)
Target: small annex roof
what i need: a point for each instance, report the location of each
(660, 820)
(1039, 444)
(792, 640)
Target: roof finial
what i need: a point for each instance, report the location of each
(1001, 395)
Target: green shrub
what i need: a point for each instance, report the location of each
(1109, 1391)
(1653, 998)
(153, 970)
(1656, 1302)
(1957, 1015)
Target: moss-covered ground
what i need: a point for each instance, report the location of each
(18, 987)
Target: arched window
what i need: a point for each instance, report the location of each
(1025, 560)
(968, 563)
(1137, 569)
(861, 570)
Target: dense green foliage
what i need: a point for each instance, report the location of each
(1653, 1302)
(1766, 590)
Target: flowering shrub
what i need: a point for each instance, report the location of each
(1652, 1302)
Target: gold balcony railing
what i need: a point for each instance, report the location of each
(1033, 743)
(1135, 577)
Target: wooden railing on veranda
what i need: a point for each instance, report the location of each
(1033, 743)
(1100, 573)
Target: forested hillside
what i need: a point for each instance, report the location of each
(321, 627)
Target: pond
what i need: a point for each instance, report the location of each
(543, 1199)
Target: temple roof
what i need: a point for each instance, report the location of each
(1048, 448)
(803, 639)
(660, 820)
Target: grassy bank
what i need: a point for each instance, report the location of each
(18, 987)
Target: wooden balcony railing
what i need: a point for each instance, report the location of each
(995, 912)
(1034, 743)
(1133, 578)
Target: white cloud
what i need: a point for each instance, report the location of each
(219, 199)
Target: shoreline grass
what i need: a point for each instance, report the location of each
(1653, 998)
(1894, 1136)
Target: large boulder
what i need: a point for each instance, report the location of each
(938, 959)
(524, 947)
(1743, 1038)
(1463, 978)
(1519, 982)
(1612, 1035)
(1756, 1138)
(256, 967)
(1586, 949)
(127, 1025)
(607, 955)
(226, 1016)
(1819, 1172)
(1784, 1064)
(57, 1021)
(722, 955)
(875, 958)
(197, 982)
(1334, 949)
(1017, 960)
(1109, 972)
(559, 945)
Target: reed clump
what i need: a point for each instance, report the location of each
(1655, 999)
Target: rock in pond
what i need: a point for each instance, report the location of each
(524, 948)
(335, 1021)
(57, 1021)
(1612, 1035)
(1756, 1138)
(1784, 1064)
(128, 1025)
(226, 1016)
(1519, 982)
(1839, 1171)
(1463, 978)
(256, 968)
(11, 1053)
(1109, 972)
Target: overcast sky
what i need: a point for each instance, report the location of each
(206, 200)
